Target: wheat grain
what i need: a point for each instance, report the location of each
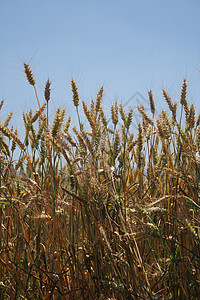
(38, 113)
(114, 113)
(129, 119)
(8, 119)
(75, 93)
(145, 115)
(122, 113)
(103, 118)
(98, 101)
(57, 123)
(29, 74)
(67, 125)
(88, 115)
(1, 104)
(47, 90)
(168, 100)
(191, 118)
(116, 145)
(152, 104)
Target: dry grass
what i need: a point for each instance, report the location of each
(101, 214)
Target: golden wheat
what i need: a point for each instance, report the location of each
(104, 213)
(29, 74)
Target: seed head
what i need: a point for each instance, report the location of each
(75, 93)
(168, 100)
(29, 74)
(1, 104)
(191, 117)
(152, 104)
(174, 110)
(183, 93)
(114, 113)
(47, 90)
(122, 112)
(145, 115)
(98, 101)
(129, 118)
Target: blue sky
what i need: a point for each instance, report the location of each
(127, 46)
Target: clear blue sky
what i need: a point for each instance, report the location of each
(127, 46)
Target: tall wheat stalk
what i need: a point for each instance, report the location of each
(103, 212)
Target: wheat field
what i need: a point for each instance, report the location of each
(100, 211)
